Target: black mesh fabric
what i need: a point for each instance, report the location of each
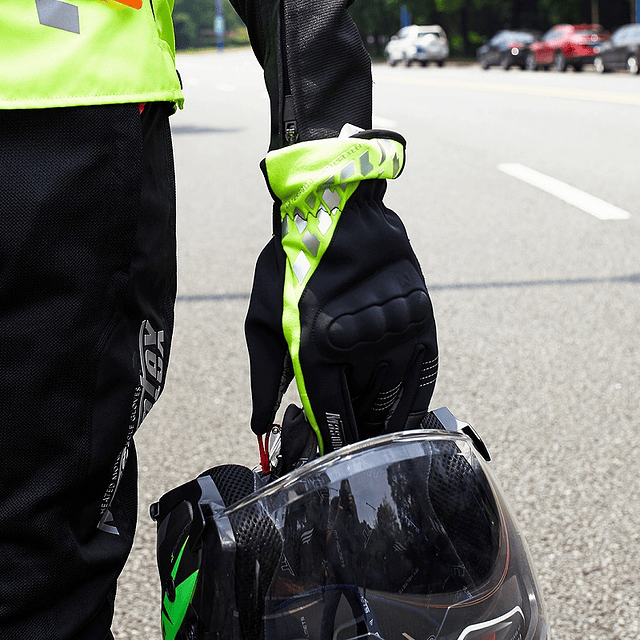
(431, 422)
(459, 497)
(233, 481)
(328, 66)
(313, 52)
(258, 547)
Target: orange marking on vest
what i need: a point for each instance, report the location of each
(135, 4)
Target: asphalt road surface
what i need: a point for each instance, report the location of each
(521, 197)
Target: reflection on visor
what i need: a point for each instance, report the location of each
(404, 537)
(506, 626)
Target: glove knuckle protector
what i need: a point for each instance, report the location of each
(382, 311)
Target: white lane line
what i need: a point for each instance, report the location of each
(585, 201)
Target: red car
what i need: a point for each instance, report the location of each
(566, 44)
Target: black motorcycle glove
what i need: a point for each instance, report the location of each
(339, 301)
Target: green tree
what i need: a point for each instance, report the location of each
(186, 30)
(467, 22)
(377, 20)
(193, 22)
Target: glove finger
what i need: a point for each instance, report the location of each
(417, 390)
(271, 374)
(372, 405)
(269, 361)
(331, 409)
(298, 442)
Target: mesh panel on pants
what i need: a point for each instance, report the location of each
(87, 254)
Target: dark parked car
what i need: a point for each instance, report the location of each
(507, 48)
(622, 51)
(566, 45)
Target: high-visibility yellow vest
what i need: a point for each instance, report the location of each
(56, 53)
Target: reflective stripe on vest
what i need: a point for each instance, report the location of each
(56, 53)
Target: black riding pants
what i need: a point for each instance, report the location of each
(87, 288)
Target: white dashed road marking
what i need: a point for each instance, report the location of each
(585, 201)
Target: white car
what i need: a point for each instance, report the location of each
(421, 44)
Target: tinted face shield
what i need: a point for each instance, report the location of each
(401, 537)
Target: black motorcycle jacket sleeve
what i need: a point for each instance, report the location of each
(316, 67)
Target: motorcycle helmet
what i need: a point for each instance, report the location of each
(404, 536)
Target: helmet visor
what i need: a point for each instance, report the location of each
(401, 537)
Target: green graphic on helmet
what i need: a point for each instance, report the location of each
(177, 598)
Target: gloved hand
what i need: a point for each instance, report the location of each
(338, 299)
